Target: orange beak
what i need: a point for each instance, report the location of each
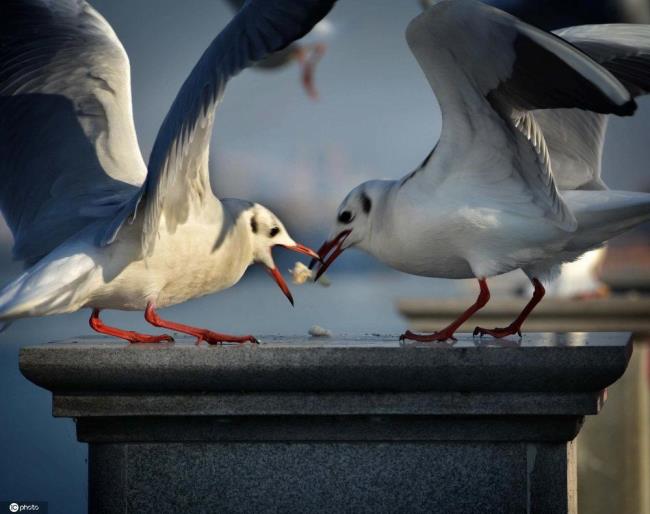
(335, 247)
(277, 276)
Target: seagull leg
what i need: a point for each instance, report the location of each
(515, 326)
(448, 332)
(132, 337)
(308, 58)
(201, 334)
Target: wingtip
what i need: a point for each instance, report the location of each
(627, 109)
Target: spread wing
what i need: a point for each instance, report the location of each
(68, 149)
(178, 176)
(575, 138)
(489, 71)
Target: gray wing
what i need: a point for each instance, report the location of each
(276, 59)
(575, 138)
(178, 175)
(68, 148)
(489, 71)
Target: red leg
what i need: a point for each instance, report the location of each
(201, 334)
(448, 332)
(132, 337)
(515, 326)
(308, 58)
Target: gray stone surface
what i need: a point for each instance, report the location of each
(327, 428)
(539, 363)
(352, 425)
(377, 477)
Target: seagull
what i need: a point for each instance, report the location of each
(95, 226)
(578, 279)
(306, 54)
(514, 180)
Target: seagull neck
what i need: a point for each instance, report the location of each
(234, 217)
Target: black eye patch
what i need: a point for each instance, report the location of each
(366, 203)
(254, 225)
(274, 232)
(345, 217)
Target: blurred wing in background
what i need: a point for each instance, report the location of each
(178, 175)
(68, 148)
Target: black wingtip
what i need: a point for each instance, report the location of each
(627, 109)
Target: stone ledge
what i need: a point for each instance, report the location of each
(301, 425)
(576, 362)
(327, 404)
(218, 429)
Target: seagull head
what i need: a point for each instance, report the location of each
(267, 232)
(353, 223)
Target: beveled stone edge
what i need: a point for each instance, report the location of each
(272, 429)
(328, 403)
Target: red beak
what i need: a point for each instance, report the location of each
(303, 249)
(277, 276)
(335, 245)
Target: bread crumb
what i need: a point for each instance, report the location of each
(318, 331)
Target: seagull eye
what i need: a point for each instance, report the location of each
(345, 217)
(274, 232)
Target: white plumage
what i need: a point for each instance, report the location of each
(514, 181)
(98, 227)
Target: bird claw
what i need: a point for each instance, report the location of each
(147, 339)
(214, 339)
(435, 337)
(497, 333)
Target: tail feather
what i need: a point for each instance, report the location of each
(602, 215)
(55, 285)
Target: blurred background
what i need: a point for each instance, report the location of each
(376, 117)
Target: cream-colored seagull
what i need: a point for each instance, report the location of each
(514, 181)
(96, 226)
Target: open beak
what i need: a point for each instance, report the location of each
(335, 246)
(279, 280)
(277, 276)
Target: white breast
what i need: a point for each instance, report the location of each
(201, 256)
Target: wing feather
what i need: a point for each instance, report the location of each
(575, 138)
(68, 149)
(178, 175)
(489, 71)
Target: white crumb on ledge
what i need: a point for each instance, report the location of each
(318, 331)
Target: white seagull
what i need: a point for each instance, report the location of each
(514, 181)
(96, 226)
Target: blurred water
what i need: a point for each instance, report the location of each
(42, 459)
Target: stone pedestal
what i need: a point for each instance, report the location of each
(354, 425)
